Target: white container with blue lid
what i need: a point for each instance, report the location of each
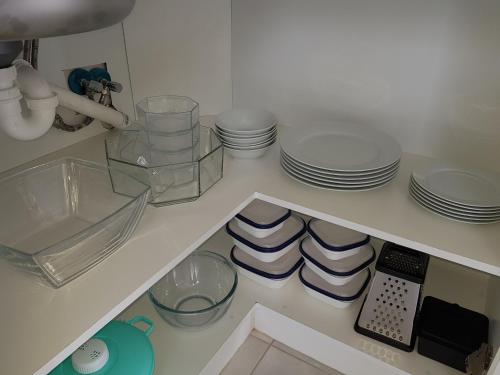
(273, 274)
(340, 296)
(261, 219)
(273, 247)
(336, 242)
(336, 272)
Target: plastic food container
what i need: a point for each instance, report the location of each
(64, 217)
(271, 248)
(173, 177)
(340, 296)
(118, 349)
(261, 219)
(334, 241)
(274, 274)
(197, 292)
(168, 113)
(336, 272)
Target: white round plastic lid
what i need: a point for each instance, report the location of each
(90, 357)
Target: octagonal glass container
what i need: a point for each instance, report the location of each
(174, 177)
(168, 114)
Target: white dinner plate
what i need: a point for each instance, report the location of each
(453, 183)
(339, 175)
(451, 205)
(460, 218)
(341, 146)
(346, 179)
(450, 211)
(339, 181)
(308, 182)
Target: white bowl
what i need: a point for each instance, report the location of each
(255, 146)
(251, 146)
(247, 154)
(246, 121)
(224, 133)
(247, 141)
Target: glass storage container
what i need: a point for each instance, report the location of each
(168, 113)
(173, 176)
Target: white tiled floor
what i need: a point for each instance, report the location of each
(261, 355)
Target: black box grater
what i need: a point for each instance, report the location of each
(389, 312)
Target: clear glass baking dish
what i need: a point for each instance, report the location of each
(173, 177)
(61, 218)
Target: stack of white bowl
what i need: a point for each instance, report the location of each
(266, 243)
(245, 133)
(336, 263)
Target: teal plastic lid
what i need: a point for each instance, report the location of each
(130, 351)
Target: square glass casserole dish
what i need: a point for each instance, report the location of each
(63, 217)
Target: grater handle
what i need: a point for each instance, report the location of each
(147, 321)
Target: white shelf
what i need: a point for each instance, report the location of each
(183, 352)
(48, 325)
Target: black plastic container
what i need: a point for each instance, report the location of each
(448, 333)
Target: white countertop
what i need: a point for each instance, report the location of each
(46, 325)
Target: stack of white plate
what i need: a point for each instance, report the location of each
(458, 193)
(339, 156)
(246, 133)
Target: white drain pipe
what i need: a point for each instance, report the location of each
(85, 106)
(27, 109)
(28, 103)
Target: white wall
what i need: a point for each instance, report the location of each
(174, 47)
(56, 55)
(427, 72)
(181, 47)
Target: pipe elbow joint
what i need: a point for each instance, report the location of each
(28, 124)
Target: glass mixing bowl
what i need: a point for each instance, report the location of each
(197, 292)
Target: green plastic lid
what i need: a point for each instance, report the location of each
(117, 349)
